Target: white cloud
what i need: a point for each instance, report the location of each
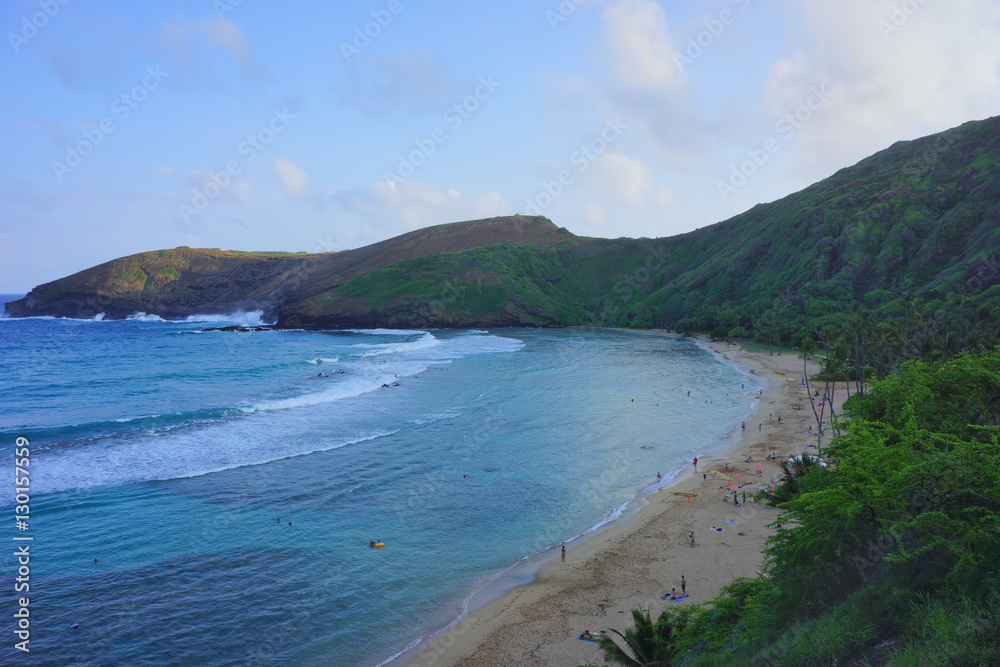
(293, 180)
(179, 41)
(236, 193)
(644, 60)
(892, 75)
(594, 214)
(413, 205)
(626, 178)
(491, 204)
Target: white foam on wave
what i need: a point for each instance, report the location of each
(125, 420)
(347, 386)
(413, 358)
(61, 320)
(139, 316)
(464, 346)
(409, 647)
(426, 341)
(387, 332)
(8, 318)
(252, 318)
(252, 437)
(322, 360)
(191, 453)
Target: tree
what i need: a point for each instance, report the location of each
(907, 309)
(808, 350)
(829, 337)
(648, 644)
(790, 485)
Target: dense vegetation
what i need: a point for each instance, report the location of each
(910, 236)
(891, 556)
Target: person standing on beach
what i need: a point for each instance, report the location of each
(564, 553)
(683, 585)
(692, 538)
(696, 464)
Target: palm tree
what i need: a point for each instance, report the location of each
(884, 337)
(648, 644)
(791, 474)
(808, 350)
(829, 338)
(952, 343)
(907, 308)
(918, 309)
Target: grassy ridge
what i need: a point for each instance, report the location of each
(921, 217)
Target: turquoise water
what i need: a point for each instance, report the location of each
(177, 458)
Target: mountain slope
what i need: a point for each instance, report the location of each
(920, 217)
(185, 281)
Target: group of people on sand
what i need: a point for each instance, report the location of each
(674, 595)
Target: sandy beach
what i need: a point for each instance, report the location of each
(635, 563)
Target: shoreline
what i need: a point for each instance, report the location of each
(620, 565)
(492, 586)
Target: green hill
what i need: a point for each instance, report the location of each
(919, 219)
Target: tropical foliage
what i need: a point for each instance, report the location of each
(889, 556)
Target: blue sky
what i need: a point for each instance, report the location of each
(248, 125)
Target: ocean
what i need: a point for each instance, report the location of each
(229, 484)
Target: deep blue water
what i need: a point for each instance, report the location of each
(177, 458)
